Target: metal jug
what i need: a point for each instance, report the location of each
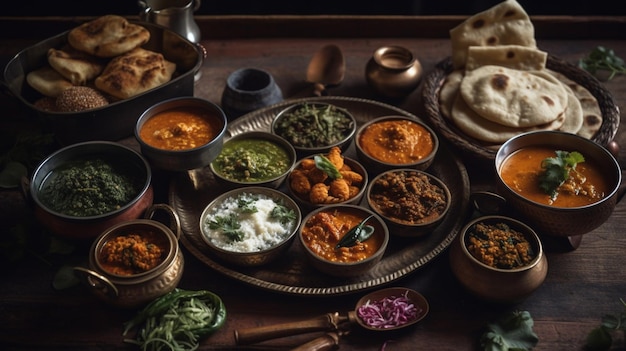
(176, 15)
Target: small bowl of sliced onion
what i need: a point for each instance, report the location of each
(390, 309)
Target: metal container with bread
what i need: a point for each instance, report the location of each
(96, 113)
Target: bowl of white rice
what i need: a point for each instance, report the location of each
(250, 226)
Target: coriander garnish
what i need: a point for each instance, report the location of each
(603, 59)
(556, 170)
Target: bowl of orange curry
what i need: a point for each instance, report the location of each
(560, 183)
(389, 142)
(182, 133)
(343, 240)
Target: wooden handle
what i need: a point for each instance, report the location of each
(329, 321)
(328, 341)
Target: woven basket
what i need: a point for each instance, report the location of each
(477, 148)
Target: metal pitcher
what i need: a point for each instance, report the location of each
(176, 15)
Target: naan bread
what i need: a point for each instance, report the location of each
(511, 56)
(514, 98)
(449, 91)
(504, 24)
(48, 81)
(134, 73)
(108, 36)
(76, 66)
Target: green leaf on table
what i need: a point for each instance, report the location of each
(512, 332)
(12, 174)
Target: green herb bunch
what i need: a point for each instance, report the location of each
(600, 338)
(512, 332)
(603, 59)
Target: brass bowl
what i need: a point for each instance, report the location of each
(561, 221)
(498, 284)
(346, 269)
(375, 165)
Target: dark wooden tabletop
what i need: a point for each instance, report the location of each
(582, 285)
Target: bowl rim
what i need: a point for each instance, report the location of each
(115, 231)
(270, 192)
(502, 154)
(427, 158)
(258, 135)
(174, 103)
(313, 150)
(376, 255)
(406, 224)
(528, 232)
(353, 161)
(89, 148)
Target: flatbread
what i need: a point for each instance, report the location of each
(477, 127)
(504, 24)
(108, 36)
(449, 91)
(135, 72)
(76, 66)
(48, 81)
(514, 98)
(591, 112)
(511, 56)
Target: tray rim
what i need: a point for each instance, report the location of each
(232, 272)
(435, 79)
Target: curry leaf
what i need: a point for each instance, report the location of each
(512, 332)
(323, 163)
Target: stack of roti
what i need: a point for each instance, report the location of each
(104, 57)
(500, 86)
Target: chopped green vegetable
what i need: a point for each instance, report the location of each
(512, 332)
(359, 233)
(557, 169)
(323, 163)
(603, 59)
(312, 125)
(177, 321)
(600, 338)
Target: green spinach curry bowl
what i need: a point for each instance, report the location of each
(498, 259)
(315, 127)
(83, 189)
(254, 159)
(583, 201)
(250, 226)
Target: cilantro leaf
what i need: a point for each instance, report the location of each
(283, 213)
(556, 170)
(512, 332)
(229, 225)
(603, 59)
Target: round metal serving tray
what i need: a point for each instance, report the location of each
(191, 191)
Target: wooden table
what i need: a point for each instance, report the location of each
(581, 286)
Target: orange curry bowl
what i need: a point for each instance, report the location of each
(343, 240)
(181, 133)
(581, 203)
(389, 142)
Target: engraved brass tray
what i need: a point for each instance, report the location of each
(190, 192)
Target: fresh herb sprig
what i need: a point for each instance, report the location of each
(512, 332)
(556, 170)
(229, 225)
(603, 59)
(324, 164)
(600, 338)
(358, 234)
(283, 214)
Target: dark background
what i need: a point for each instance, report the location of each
(316, 7)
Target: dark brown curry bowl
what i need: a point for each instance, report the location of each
(383, 142)
(306, 125)
(412, 202)
(80, 208)
(506, 275)
(181, 133)
(156, 268)
(562, 221)
(254, 158)
(261, 235)
(326, 227)
(116, 120)
(302, 180)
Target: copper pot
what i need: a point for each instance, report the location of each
(393, 71)
(134, 290)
